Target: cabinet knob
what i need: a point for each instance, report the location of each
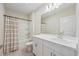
(54, 54)
(35, 45)
(51, 53)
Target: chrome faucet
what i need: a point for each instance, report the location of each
(60, 35)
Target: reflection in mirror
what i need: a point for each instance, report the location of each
(60, 21)
(67, 25)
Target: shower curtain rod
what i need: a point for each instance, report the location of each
(17, 17)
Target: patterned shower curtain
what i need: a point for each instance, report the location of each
(10, 42)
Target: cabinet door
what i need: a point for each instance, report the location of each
(47, 51)
(34, 46)
(37, 46)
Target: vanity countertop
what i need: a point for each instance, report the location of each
(66, 41)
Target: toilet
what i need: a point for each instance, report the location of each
(29, 46)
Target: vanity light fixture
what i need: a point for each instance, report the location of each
(52, 6)
(57, 5)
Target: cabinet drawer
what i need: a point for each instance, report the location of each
(37, 46)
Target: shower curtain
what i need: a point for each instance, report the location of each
(10, 42)
(16, 33)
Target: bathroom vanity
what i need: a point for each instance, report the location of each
(59, 32)
(52, 45)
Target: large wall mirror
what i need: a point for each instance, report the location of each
(60, 20)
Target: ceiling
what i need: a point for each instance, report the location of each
(25, 8)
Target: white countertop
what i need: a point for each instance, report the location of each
(66, 41)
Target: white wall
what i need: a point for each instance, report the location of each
(36, 19)
(1, 27)
(77, 26)
(15, 14)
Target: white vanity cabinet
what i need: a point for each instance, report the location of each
(44, 47)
